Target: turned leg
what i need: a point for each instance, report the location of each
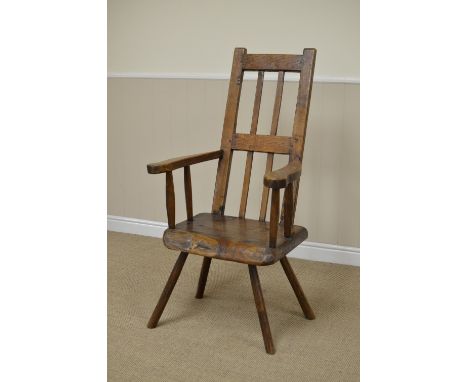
(262, 314)
(308, 313)
(153, 321)
(203, 276)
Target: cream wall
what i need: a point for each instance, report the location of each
(151, 119)
(199, 36)
(154, 119)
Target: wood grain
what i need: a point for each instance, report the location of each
(261, 310)
(252, 242)
(274, 216)
(171, 282)
(288, 209)
(308, 313)
(229, 128)
(170, 200)
(302, 112)
(188, 192)
(285, 175)
(231, 238)
(273, 131)
(273, 62)
(249, 159)
(262, 143)
(203, 277)
(175, 163)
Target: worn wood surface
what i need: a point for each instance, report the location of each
(274, 217)
(303, 103)
(175, 163)
(249, 159)
(273, 131)
(261, 310)
(188, 192)
(285, 175)
(203, 277)
(262, 143)
(170, 200)
(308, 313)
(231, 238)
(288, 209)
(229, 128)
(252, 242)
(302, 111)
(273, 62)
(171, 282)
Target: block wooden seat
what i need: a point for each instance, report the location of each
(252, 242)
(231, 238)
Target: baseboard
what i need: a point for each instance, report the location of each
(307, 250)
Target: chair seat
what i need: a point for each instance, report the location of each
(231, 238)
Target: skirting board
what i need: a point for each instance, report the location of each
(307, 250)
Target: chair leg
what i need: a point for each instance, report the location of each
(171, 282)
(262, 314)
(203, 276)
(308, 313)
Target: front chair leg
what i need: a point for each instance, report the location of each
(308, 313)
(203, 276)
(262, 314)
(153, 321)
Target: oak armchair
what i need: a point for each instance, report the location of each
(252, 242)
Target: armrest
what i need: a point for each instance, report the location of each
(282, 177)
(173, 164)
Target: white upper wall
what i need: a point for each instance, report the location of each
(189, 36)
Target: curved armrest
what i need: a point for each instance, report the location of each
(282, 177)
(173, 164)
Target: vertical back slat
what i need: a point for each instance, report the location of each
(253, 131)
(229, 128)
(273, 131)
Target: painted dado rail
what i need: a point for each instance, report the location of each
(293, 77)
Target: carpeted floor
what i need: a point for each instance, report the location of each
(218, 338)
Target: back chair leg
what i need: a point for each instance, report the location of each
(153, 321)
(262, 314)
(308, 313)
(203, 276)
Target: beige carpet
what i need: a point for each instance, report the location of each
(218, 338)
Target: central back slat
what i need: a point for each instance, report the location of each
(253, 131)
(273, 131)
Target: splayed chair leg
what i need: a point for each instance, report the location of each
(171, 282)
(203, 276)
(308, 313)
(261, 310)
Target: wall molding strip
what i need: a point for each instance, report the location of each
(307, 250)
(291, 77)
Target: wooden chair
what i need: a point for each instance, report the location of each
(252, 242)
